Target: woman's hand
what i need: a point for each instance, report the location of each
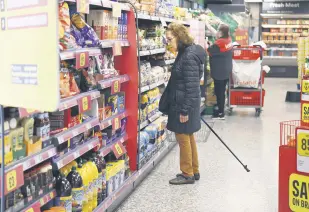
(184, 119)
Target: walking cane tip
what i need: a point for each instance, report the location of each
(246, 168)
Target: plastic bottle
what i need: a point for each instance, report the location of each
(99, 179)
(40, 126)
(93, 174)
(64, 193)
(76, 182)
(87, 201)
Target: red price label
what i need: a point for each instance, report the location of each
(84, 104)
(116, 86)
(82, 6)
(82, 60)
(116, 123)
(117, 49)
(14, 179)
(119, 149)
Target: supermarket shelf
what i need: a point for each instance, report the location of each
(33, 160)
(107, 149)
(152, 86)
(152, 52)
(285, 34)
(71, 54)
(105, 4)
(108, 122)
(281, 49)
(284, 15)
(115, 199)
(284, 26)
(73, 101)
(280, 41)
(107, 83)
(76, 153)
(150, 120)
(111, 43)
(280, 60)
(74, 131)
(44, 199)
(156, 18)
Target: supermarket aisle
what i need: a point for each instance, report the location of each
(224, 185)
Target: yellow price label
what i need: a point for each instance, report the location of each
(82, 59)
(116, 124)
(11, 180)
(116, 86)
(118, 149)
(305, 112)
(30, 210)
(303, 144)
(305, 86)
(51, 195)
(85, 103)
(298, 193)
(42, 202)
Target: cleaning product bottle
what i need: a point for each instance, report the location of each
(87, 201)
(99, 180)
(64, 193)
(76, 182)
(94, 176)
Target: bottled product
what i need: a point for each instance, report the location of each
(64, 193)
(76, 182)
(99, 183)
(47, 125)
(92, 168)
(39, 126)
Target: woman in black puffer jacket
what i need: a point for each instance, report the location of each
(184, 99)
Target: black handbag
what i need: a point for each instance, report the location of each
(164, 102)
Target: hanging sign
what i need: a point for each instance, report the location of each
(82, 6)
(29, 71)
(285, 7)
(299, 193)
(241, 36)
(302, 146)
(13, 179)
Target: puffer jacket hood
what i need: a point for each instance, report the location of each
(199, 51)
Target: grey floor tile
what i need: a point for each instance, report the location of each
(224, 184)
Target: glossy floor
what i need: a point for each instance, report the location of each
(225, 186)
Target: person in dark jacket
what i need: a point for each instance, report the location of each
(184, 99)
(220, 58)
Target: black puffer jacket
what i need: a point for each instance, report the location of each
(184, 89)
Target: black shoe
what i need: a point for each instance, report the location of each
(220, 116)
(182, 180)
(197, 176)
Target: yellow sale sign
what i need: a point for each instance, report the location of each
(29, 54)
(298, 193)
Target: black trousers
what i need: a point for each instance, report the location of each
(220, 88)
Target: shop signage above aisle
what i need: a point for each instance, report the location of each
(284, 7)
(29, 54)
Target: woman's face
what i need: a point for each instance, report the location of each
(171, 40)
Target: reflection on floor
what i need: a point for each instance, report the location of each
(224, 184)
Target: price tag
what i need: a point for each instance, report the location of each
(118, 149)
(11, 180)
(305, 112)
(117, 49)
(88, 126)
(82, 6)
(51, 195)
(163, 22)
(305, 86)
(116, 87)
(42, 202)
(116, 10)
(30, 210)
(302, 146)
(84, 104)
(82, 60)
(76, 155)
(116, 123)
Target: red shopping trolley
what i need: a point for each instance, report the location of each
(245, 96)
